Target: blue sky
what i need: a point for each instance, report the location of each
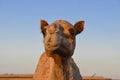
(98, 46)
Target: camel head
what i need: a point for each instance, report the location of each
(59, 37)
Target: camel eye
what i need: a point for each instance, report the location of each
(72, 32)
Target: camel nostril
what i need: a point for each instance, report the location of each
(49, 40)
(48, 44)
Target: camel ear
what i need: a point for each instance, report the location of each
(43, 23)
(79, 26)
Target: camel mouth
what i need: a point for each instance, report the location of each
(51, 47)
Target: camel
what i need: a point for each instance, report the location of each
(56, 63)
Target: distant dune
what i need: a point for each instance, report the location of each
(30, 76)
(16, 76)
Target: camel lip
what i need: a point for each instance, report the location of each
(51, 47)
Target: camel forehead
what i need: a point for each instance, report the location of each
(64, 24)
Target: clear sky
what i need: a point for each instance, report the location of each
(98, 46)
